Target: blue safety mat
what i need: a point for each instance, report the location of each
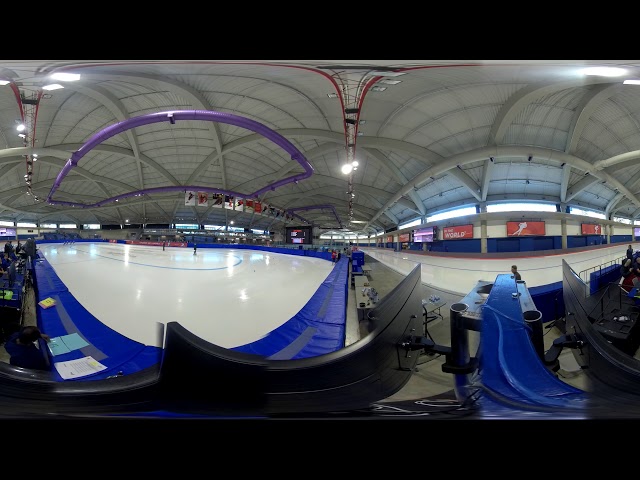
(318, 328)
(512, 373)
(47, 280)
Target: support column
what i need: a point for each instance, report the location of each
(563, 224)
(483, 236)
(609, 233)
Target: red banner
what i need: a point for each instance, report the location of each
(389, 238)
(404, 237)
(457, 233)
(591, 229)
(523, 228)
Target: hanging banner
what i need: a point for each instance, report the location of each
(521, 229)
(190, 198)
(591, 229)
(203, 199)
(238, 204)
(229, 202)
(458, 232)
(217, 200)
(248, 206)
(404, 237)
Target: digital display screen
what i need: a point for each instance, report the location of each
(299, 235)
(424, 235)
(7, 232)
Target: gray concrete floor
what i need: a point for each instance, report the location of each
(429, 380)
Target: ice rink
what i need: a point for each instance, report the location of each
(459, 275)
(229, 297)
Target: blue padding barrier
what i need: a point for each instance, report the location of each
(601, 278)
(117, 352)
(512, 373)
(549, 300)
(47, 281)
(318, 328)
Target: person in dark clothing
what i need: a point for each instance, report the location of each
(514, 270)
(630, 252)
(23, 351)
(195, 248)
(626, 270)
(626, 267)
(635, 266)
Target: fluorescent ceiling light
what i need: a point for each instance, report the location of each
(387, 74)
(4, 82)
(332, 95)
(631, 82)
(53, 86)
(66, 77)
(390, 82)
(20, 127)
(378, 89)
(604, 71)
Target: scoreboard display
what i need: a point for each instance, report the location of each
(299, 235)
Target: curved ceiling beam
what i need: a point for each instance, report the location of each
(44, 157)
(617, 159)
(612, 203)
(564, 182)
(467, 182)
(395, 171)
(285, 132)
(181, 89)
(582, 113)
(185, 91)
(172, 117)
(527, 95)
(507, 151)
(377, 192)
(580, 186)
(114, 105)
(487, 175)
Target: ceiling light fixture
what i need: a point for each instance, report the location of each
(390, 82)
(332, 95)
(66, 77)
(20, 127)
(377, 88)
(4, 82)
(52, 86)
(604, 71)
(378, 73)
(631, 82)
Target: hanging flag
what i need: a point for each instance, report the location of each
(238, 204)
(229, 202)
(203, 199)
(217, 200)
(189, 198)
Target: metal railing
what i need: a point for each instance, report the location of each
(585, 275)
